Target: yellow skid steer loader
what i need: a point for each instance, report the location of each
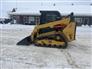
(52, 31)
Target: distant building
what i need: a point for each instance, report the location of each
(24, 18)
(82, 19)
(33, 18)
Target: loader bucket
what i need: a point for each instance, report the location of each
(25, 41)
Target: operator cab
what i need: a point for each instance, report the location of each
(49, 16)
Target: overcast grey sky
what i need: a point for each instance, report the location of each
(64, 6)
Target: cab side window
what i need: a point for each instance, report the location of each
(51, 17)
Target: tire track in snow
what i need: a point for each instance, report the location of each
(83, 48)
(69, 59)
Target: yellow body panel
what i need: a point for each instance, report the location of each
(69, 31)
(51, 24)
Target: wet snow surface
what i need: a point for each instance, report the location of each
(77, 55)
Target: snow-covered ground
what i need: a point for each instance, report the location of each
(77, 55)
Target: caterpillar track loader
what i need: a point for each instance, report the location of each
(52, 31)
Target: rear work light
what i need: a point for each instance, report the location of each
(59, 27)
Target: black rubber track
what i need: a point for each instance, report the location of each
(52, 46)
